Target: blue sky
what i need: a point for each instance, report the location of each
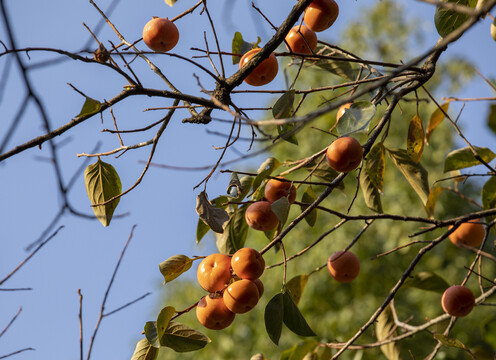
(83, 254)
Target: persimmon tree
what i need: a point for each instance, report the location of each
(380, 222)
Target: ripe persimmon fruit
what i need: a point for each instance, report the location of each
(160, 34)
(264, 73)
(276, 189)
(248, 263)
(214, 272)
(301, 40)
(344, 154)
(458, 301)
(241, 296)
(212, 313)
(470, 233)
(260, 216)
(343, 266)
(321, 14)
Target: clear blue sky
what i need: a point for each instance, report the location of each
(83, 254)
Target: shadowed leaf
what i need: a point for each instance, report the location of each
(301, 351)
(432, 200)
(309, 197)
(356, 118)
(163, 319)
(447, 20)
(144, 351)
(212, 216)
(235, 231)
(375, 165)
(182, 338)
(491, 118)
(151, 333)
(427, 281)
(489, 194)
(371, 194)
(280, 207)
(415, 139)
(267, 167)
(293, 318)
(464, 158)
(274, 315)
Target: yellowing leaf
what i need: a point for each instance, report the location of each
(90, 106)
(174, 266)
(375, 165)
(432, 200)
(435, 119)
(415, 139)
(144, 351)
(295, 287)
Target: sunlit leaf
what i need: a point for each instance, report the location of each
(414, 173)
(356, 118)
(239, 46)
(293, 318)
(295, 287)
(432, 200)
(384, 330)
(435, 119)
(274, 315)
(265, 169)
(283, 108)
(301, 351)
(415, 139)
(464, 158)
(144, 351)
(170, 2)
(213, 216)
(102, 183)
(90, 107)
(174, 266)
(426, 280)
(447, 20)
(182, 338)
(163, 319)
(201, 230)
(309, 197)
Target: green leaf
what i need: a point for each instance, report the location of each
(246, 183)
(293, 318)
(163, 320)
(151, 333)
(295, 287)
(235, 232)
(371, 194)
(415, 139)
(324, 172)
(239, 46)
(170, 2)
(309, 197)
(356, 118)
(450, 342)
(265, 169)
(282, 109)
(414, 173)
(489, 194)
(274, 315)
(436, 118)
(201, 230)
(375, 165)
(447, 20)
(464, 158)
(144, 351)
(213, 216)
(280, 207)
(491, 118)
(337, 67)
(299, 351)
(174, 266)
(102, 183)
(384, 329)
(90, 107)
(426, 280)
(182, 338)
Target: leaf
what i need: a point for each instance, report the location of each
(239, 46)
(309, 197)
(299, 351)
(295, 287)
(174, 266)
(428, 281)
(447, 20)
(280, 207)
(266, 168)
(450, 342)
(414, 173)
(371, 193)
(293, 318)
(283, 108)
(356, 118)
(90, 107)
(212, 216)
(258, 356)
(144, 351)
(234, 186)
(384, 327)
(324, 171)
(235, 232)
(375, 165)
(436, 118)
(336, 67)
(491, 118)
(182, 338)
(102, 183)
(489, 195)
(415, 139)
(170, 2)
(246, 183)
(464, 158)
(163, 319)
(432, 200)
(274, 315)
(151, 333)
(201, 230)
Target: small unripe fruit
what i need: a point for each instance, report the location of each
(321, 14)
(160, 34)
(212, 313)
(264, 73)
(214, 272)
(470, 233)
(241, 296)
(343, 266)
(260, 216)
(248, 263)
(458, 301)
(301, 39)
(276, 189)
(344, 154)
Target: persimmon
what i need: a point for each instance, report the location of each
(214, 272)
(343, 266)
(344, 154)
(248, 263)
(264, 73)
(260, 287)
(341, 110)
(276, 189)
(160, 34)
(212, 313)
(241, 296)
(470, 233)
(321, 14)
(458, 301)
(260, 216)
(301, 39)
